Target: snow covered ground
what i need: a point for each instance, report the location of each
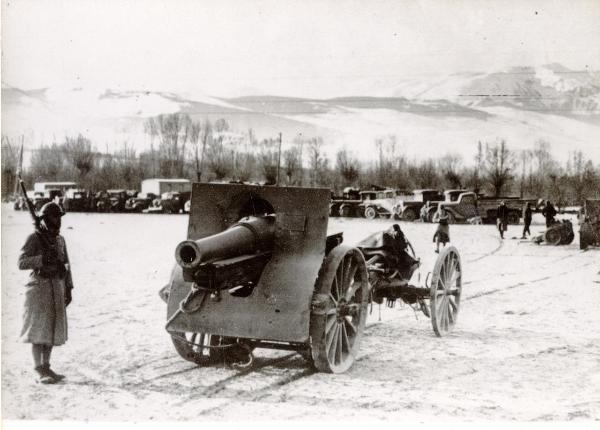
(526, 346)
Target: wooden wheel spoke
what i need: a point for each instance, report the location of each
(345, 339)
(453, 304)
(453, 292)
(339, 352)
(335, 289)
(444, 314)
(440, 304)
(332, 340)
(451, 272)
(451, 313)
(351, 282)
(446, 266)
(330, 322)
(351, 324)
(333, 299)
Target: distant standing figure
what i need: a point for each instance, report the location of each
(527, 212)
(442, 233)
(549, 213)
(502, 218)
(48, 291)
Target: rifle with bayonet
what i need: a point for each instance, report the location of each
(30, 206)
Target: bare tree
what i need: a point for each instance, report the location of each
(524, 158)
(78, 150)
(450, 165)
(499, 164)
(48, 163)
(318, 162)
(348, 167)
(424, 174)
(268, 159)
(11, 161)
(291, 163)
(218, 159)
(174, 131)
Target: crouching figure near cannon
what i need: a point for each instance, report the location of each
(259, 270)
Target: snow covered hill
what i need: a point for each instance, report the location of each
(429, 116)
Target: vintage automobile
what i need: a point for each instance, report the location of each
(111, 200)
(260, 270)
(76, 200)
(460, 208)
(171, 202)
(140, 202)
(409, 207)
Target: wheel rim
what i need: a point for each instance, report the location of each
(370, 213)
(446, 289)
(553, 236)
(341, 326)
(191, 348)
(409, 215)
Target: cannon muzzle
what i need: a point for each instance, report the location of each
(248, 236)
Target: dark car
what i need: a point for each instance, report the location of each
(76, 200)
(173, 202)
(139, 203)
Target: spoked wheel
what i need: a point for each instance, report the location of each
(370, 213)
(446, 289)
(552, 236)
(194, 347)
(339, 310)
(190, 347)
(409, 215)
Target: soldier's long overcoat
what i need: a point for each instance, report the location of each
(44, 313)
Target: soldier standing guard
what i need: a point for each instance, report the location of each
(48, 291)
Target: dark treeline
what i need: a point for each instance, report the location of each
(206, 151)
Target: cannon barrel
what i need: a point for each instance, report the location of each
(247, 236)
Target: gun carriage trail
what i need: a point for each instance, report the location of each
(526, 345)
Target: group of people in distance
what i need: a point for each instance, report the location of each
(442, 233)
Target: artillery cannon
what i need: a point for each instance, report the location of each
(259, 270)
(559, 233)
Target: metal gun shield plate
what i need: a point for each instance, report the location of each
(278, 308)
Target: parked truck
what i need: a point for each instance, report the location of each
(460, 205)
(175, 192)
(408, 208)
(377, 202)
(488, 208)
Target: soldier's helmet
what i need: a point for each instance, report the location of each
(50, 209)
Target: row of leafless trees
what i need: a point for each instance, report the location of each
(205, 151)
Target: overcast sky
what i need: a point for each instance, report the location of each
(304, 48)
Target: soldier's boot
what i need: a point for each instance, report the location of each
(43, 376)
(56, 376)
